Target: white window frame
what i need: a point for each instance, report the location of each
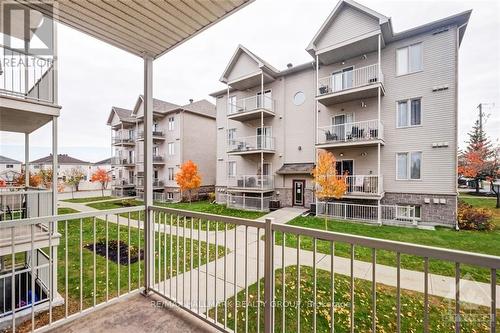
(408, 112)
(171, 123)
(408, 47)
(405, 216)
(231, 104)
(171, 174)
(170, 195)
(408, 165)
(9, 166)
(228, 174)
(171, 148)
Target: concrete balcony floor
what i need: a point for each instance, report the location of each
(137, 314)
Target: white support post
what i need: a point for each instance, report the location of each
(148, 172)
(268, 277)
(27, 160)
(261, 130)
(379, 179)
(316, 120)
(55, 178)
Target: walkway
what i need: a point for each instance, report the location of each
(247, 241)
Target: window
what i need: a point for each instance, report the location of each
(156, 151)
(171, 148)
(299, 98)
(171, 174)
(267, 102)
(409, 113)
(9, 166)
(171, 123)
(409, 165)
(231, 105)
(231, 135)
(409, 59)
(170, 195)
(408, 212)
(231, 169)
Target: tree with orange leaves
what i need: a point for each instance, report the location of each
(3, 183)
(34, 181)
(188, 177)
(101, 176)
(328, 184)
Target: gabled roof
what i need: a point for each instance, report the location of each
(124, 115)
(8, 160)
(104, 162)
(261, 63)
(340, 5)
(296, 169)
(159, 106)
(61, 159)
(201, 107)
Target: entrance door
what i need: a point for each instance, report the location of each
(298, 192)
(345, 167)
(264, 135)
(342, 79)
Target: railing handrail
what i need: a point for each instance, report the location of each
(2, 193)
(476, 259)
(3, 46)
(251, 137)
(379, 122)
(354, 70)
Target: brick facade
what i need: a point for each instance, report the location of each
(433, 211)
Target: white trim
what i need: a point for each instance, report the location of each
(408, 111)
(421, 69)
(408, 165)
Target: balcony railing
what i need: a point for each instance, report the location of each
(243, 202)
(155, 182)
(123, 139)
(27, 76)
(157, 133)
(250, 104)
(252, 182)
(363, 184)
(250, 143)
(20, 204)
(349, 79)
(124, 182)
(202, 262)
(122, 160)
(360, 131)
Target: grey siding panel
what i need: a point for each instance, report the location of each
(348, 24)
(243, 66)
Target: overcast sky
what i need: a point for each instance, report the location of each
(94, 76)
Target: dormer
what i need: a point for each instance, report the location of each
(350, 30)
(247, 70)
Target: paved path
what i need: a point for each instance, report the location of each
(244, 266)
(283, 215)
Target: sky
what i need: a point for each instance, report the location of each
(94, 76)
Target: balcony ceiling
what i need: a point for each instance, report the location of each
(24, 116)
(140, 27)
(349, 49)
(250, 81)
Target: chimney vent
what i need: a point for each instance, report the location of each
(289, 65)
(190, 100)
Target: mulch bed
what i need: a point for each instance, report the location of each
(100, 247)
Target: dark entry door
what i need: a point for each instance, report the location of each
(298, 192)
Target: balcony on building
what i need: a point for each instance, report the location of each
(359, 133)
(28, 85)
(251, 145)
(251, 108)
(158, 134)
(251, 183)
(157, 183)
(363, 186)
(345, 86)
(123, 137)
(123, 161)
(124, 183)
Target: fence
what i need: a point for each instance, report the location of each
(201, 262)
(22, 204)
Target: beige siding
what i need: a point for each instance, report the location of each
(348, 24)
(244, 65)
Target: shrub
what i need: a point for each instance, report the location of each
(211, 196)
(473, 218)
(128, 203)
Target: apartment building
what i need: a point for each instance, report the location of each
(383, 102)
(180, 133)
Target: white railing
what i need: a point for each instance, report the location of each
(252, 182)
(246, 202)
(123, 182)
(155, 182)
(122, 192)
(25, 75)
(201, 262)
(250, 104)
(157, 133)
(363, 184)
(349, 79)
(399, 214)
(21, 204)
(250, 143)
(351, 132)
(123, 136)
(117, 160)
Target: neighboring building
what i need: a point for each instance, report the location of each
(10, 169)
(65, 164)
(384, 103)
(180, 133)
(104, 164)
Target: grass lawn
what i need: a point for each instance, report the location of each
(89, 199)
(198, 206)
(134, 272)
(487, 242)
(475, 319)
